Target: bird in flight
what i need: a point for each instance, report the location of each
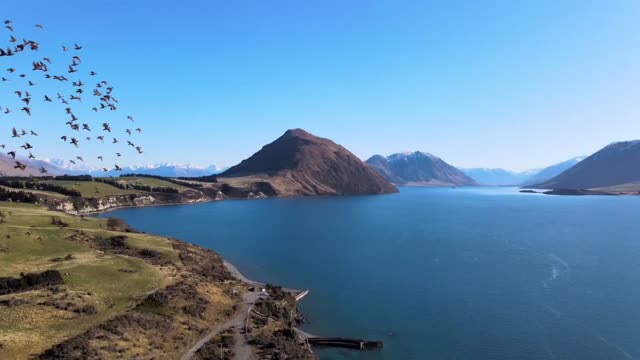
(102, 92)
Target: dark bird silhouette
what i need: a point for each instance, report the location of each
(80, 158)
(39, 26)
(71, 70)
(31, 155)
(20, 166)
(26, 100)
(46, 59)
(118, 168)
(18, 92)
(128, 131)
(77, 47)
(9, 27)
(130, 143)
(64, 48)
(100, 158)
(43, 170)
(118, 154)
(101, 138)
(15, 133)
(139, 130)
(105, 169)
(115, 141)
(26, 146)
(7, 110)
(12, 154)
(93, 73)
(74, 141)
(31, 83)
(72, 162)
(63, 138)
(130, 118)
(106, 127)
(86, 127)
(33, 133)
(11, 70)
(13, 39)
(27, 110)
(139, 149)
(46, 98)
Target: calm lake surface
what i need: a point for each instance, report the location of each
(466, 273)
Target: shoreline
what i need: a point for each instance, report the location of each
(139, 206)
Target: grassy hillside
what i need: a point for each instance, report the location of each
(108, 274)
(151, 182)
(91, 188)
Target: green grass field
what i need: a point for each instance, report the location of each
(153, 182)
(28, 242)
(91, 188)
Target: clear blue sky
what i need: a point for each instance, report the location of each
(514, 84)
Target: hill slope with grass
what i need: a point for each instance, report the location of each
(121, 293)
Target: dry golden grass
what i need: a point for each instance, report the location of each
(93, 278)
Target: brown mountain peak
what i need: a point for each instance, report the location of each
(310, 165)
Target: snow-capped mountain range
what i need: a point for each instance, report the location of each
(159, 169)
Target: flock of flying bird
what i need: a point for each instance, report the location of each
(101, 95)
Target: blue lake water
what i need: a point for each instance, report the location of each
(466, 273)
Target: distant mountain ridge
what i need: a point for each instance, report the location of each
(552, 171)
(502, 177)
(159, 169)
(418, 169)
(299, 163)
(614, 165)
(7, 167)
(497, 176)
